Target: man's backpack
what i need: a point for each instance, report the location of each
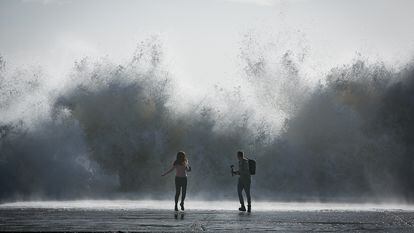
(252, 166)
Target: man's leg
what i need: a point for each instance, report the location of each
(247, 190)
(249, 200)
(239, 191)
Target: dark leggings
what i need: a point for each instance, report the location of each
(180, 184)
(244, 184)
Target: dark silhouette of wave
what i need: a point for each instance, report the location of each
(115, 128)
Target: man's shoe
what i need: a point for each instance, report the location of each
(176, 208)
(249, 208)
(182, 206)
(242, 208)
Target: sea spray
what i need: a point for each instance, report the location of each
(114, 128)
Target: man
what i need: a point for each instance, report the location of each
(244, 181)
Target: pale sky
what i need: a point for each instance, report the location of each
(202, 39)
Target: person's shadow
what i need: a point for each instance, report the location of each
(179, 215)
(244, 213)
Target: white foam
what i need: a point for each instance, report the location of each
(204, 205)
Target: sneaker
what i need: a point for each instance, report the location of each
(242, 208)
(249, 208)
(182, 206)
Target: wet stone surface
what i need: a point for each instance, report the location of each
(66, 219)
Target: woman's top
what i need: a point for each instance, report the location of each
(181, 170)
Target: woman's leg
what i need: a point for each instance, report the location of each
(177, 190)
(184, 189)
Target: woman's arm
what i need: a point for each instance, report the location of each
(187, 167)
(170, 170)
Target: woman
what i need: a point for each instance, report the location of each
(181, 167)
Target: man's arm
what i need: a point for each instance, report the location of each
(234, 172)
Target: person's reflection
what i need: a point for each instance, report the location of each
(179, 215)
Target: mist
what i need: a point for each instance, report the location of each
(110, 129)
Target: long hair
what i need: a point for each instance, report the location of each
(181, 158)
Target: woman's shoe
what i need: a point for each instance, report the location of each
(249, 208)
(182, 206)
(176, 208)
(242, 208)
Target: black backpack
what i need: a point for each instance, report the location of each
(252, 166)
